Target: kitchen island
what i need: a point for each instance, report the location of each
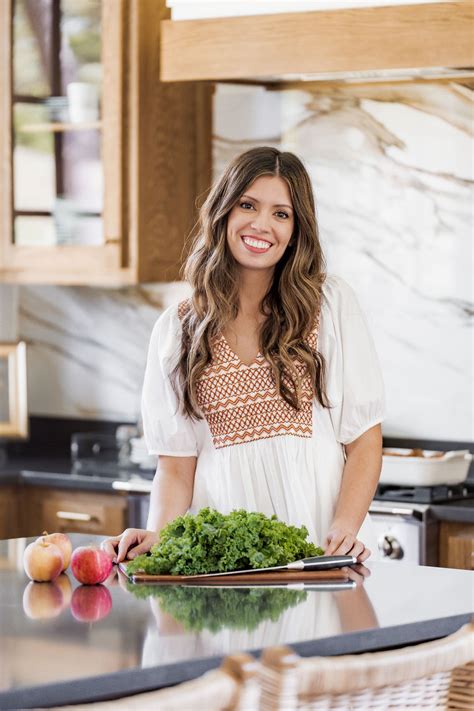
(64, 643)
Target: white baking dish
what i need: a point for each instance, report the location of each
(431, 469)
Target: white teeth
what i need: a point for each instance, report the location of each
(258, 243)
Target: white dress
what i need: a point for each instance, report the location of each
(293, 470)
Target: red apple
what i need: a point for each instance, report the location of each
(63, 542)
(90, 604)
(42, 600)
(43, 561)
(90, 565)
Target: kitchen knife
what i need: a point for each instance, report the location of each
(320, 562)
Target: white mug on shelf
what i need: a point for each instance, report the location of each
(83, 101)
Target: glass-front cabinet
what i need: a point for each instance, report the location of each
(57, 130)
(98, 156)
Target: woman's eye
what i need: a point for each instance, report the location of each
(246, 205)
(280, 213)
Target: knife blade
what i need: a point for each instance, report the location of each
(320, 562)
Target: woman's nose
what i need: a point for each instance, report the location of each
(260, 223)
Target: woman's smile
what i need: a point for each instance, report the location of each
(255, 244)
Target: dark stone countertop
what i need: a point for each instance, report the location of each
(57, 648)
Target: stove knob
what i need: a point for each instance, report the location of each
(390, 547)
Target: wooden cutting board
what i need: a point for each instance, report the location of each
(277, 577)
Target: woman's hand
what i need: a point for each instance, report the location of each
(129, 544)
(341, 541)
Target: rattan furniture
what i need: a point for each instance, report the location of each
(431, 675)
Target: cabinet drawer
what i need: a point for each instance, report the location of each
(457, 545)
(8, 512)
(75, 512)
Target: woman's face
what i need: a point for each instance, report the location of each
(260, 224)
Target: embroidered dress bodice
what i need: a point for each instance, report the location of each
(240, 402)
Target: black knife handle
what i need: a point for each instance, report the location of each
(328, 561)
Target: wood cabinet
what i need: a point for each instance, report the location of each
(44, 509)
(305, 45)
(9, 512)
(153, 144)
(456, 545)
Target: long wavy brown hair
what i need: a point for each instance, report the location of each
(292, 302)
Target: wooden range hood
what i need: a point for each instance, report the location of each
(427, 41)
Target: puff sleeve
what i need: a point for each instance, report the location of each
(167, 431)
(353, 377)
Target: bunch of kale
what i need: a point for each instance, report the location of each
(213, 542)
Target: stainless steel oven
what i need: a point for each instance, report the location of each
(405, 532)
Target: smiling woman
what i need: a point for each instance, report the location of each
(263, 390)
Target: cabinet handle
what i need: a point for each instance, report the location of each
(75, 516)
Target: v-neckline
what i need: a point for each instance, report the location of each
(236, 357)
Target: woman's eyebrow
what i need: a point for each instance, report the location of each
(276, 205)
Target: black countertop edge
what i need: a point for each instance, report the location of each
(457, 512)
(57, 472)
(58, 481)
(68, 481)
(138, 680)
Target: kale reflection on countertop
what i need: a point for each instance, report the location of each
(214, 609)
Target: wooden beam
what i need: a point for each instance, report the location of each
(263, 46)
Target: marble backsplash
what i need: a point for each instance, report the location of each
(392, 169)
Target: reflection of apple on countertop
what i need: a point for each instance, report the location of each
(41, 601)
(91, 603)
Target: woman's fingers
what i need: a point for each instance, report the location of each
(130, 543)
(127, 541)
(333, 541)
(340, 544)
(110, 546)
(357, 549)
(148, 540)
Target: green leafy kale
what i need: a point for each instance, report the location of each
(211, 542)
(214, 609)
